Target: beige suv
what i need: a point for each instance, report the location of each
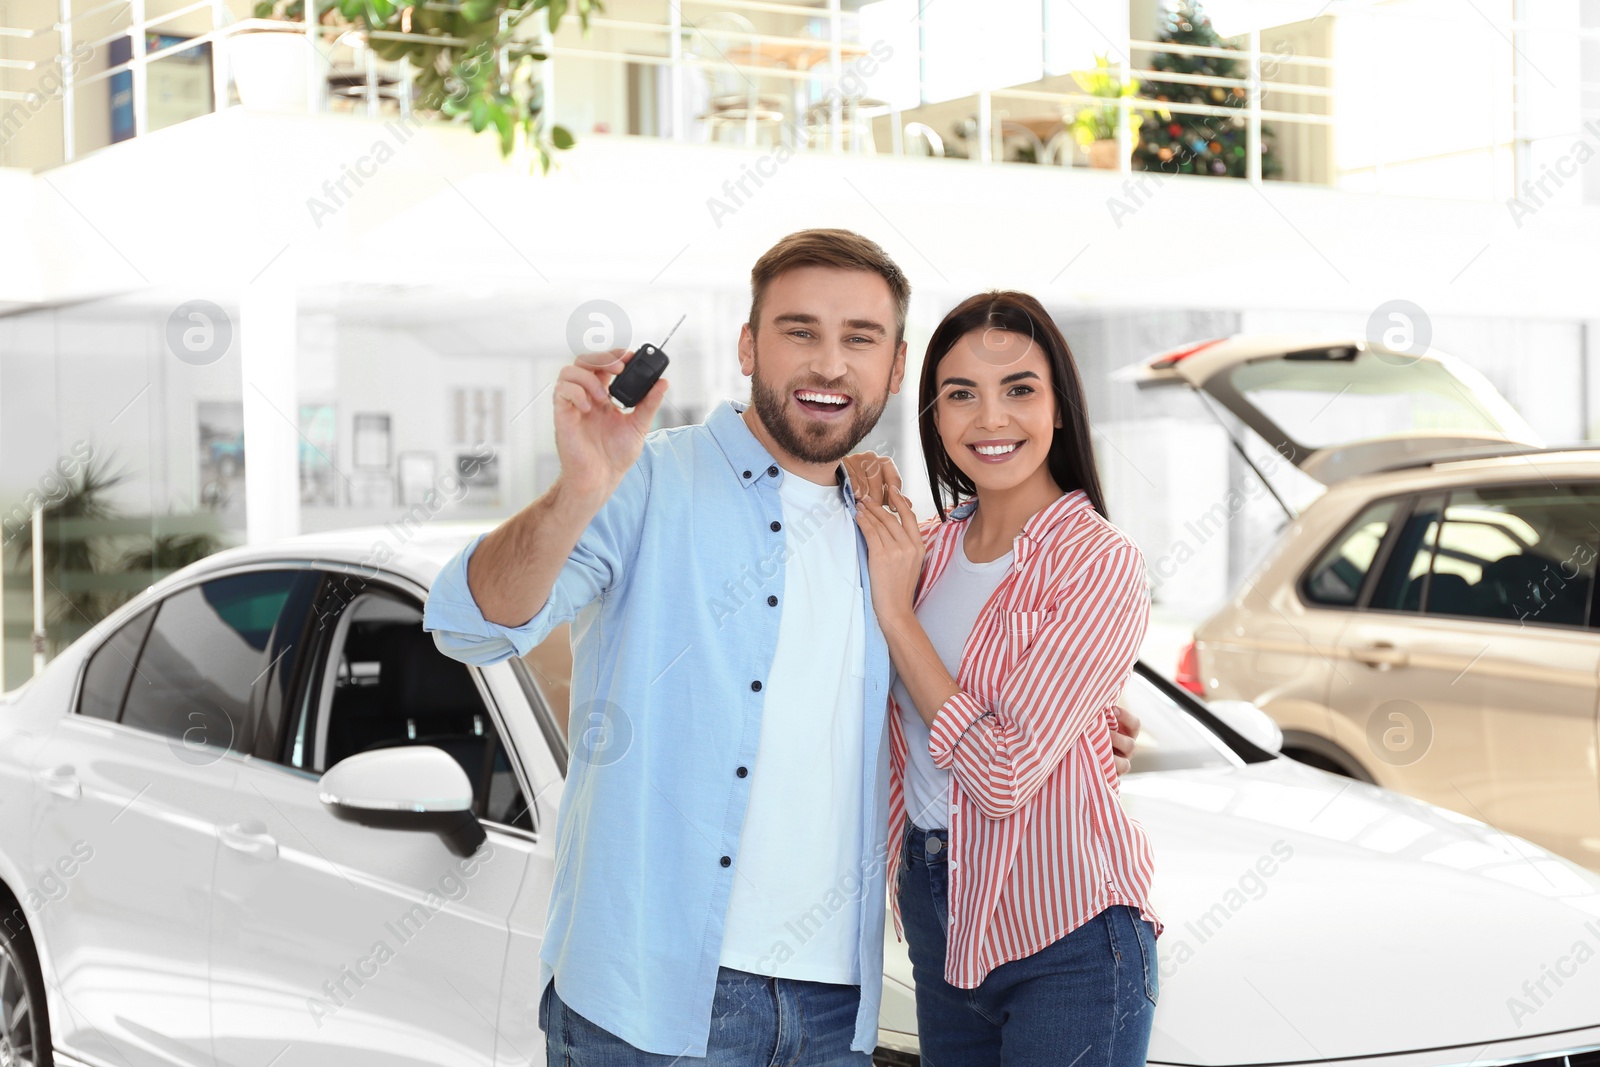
(1427, 623)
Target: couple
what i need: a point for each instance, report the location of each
(803, 694)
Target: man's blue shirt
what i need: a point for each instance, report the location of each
(673, 635)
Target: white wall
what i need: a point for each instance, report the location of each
(443, 206)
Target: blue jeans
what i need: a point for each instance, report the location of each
(1087, 1000)
(755, 1020)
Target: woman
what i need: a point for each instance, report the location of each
(1013, 622)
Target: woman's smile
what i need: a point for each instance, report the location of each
(995, 450)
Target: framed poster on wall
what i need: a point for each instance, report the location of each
(178, 86)
(219, 428)
(319, 476)
(416, 472)
(481, 477)
(370, 442)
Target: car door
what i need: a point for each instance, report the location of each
(1276, 644)
(347, 945)
(1491, 612)
(1513, 573)
(1394, 702)
(129, 784)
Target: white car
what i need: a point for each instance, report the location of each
(238, 822)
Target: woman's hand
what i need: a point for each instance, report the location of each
(894, 553)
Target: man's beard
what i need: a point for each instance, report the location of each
(817, 442)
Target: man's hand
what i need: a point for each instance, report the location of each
(596, 441)
(870, 476)
(1122, 739)
(514, 568)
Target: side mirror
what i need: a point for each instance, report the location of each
(416, 787)
(1253, 724)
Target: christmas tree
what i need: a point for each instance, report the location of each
(1199, 144)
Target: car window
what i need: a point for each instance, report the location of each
(1400, 586)
(1337, 576)
(1524, 553)
(381, 682)
(1169, 737)
(1333, 402)
(202, 657)
(550, 664)
(105, 679)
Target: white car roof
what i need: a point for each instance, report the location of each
(418, 553)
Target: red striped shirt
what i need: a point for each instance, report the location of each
(1039, 842)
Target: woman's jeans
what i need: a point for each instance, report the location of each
(1086, 1000)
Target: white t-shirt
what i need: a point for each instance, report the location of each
(794, 908)
(948, 613)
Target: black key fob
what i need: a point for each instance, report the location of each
(638, 375)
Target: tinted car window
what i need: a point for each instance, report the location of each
(1400, 587)
(105, 680)
(204, 654)
(1524, 553)
(1336, 578)
(1336, 401)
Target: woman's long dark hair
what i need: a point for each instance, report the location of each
(1071, 457)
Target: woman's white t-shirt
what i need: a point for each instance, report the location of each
(948, 613)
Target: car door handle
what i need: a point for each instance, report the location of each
(251, 841)
(1381, 655)
(62, 781)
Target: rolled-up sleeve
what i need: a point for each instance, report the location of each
(1002, 751)
(597, 564)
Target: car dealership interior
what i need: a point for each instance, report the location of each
(289, 309)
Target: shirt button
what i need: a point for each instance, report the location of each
(773, 470)
(755, 686)
(747, 474)
(725, 861)
(772, 601)
(776, 525)
(742, 772)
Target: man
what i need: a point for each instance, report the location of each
(719, 889)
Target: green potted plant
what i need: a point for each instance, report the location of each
(1095, 126)
(272, 58)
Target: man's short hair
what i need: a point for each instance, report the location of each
(840, 249)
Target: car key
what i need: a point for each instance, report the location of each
(642, 371)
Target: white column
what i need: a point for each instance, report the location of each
(271, 411)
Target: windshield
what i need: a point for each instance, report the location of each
(1169, 737)
(1326, 402)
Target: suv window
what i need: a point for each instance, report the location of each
(105, 679)
(1520, 552)
(203, 656)
(1336, 578)
(1401, 585)
(381, 682)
